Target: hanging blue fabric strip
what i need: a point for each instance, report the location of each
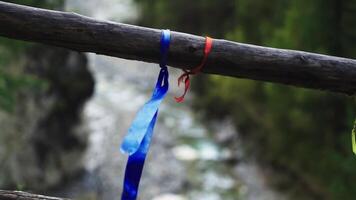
(137, 131)
(137, 140)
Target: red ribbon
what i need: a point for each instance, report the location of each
(184, 78)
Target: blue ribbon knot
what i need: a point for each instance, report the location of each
(137, 141)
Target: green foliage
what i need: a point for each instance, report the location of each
(353, 138)
(305, 131)
(11, 84)
(187, 15)
(11, 79)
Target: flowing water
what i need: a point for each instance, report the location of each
(183, 163)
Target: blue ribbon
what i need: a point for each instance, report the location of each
(137, 141)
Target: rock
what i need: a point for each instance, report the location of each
(169, 197)
(40, 146)
(185, 152)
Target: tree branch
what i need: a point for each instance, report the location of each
(227, 58)
(18, 195)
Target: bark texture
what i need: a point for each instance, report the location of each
(227, 58)
(18, 195)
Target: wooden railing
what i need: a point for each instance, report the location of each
(80, 33)
(18, 195)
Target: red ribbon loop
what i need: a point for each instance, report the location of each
(185, 76)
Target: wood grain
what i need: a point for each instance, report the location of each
(80, 33)
(18, 195)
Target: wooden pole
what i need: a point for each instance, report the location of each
(80, 33)
(18, 195)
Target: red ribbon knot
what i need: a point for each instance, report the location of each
(184, 78)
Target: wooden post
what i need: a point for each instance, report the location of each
(227, 58)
